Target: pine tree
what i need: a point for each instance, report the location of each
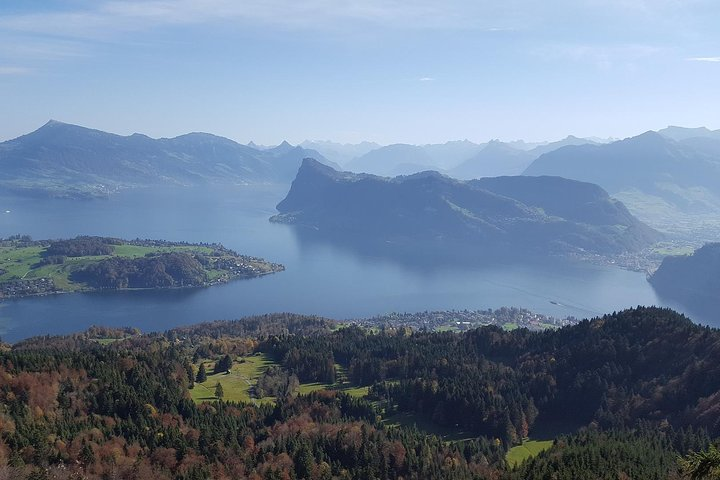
(201, 375)
(219, 391)
(223, 365)
(702, 465)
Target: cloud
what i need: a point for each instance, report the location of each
(103, 18)
(705, 59)
(9, 70)
(426, 79)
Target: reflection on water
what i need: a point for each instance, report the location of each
(338, 278)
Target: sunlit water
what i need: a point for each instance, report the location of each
(321, 278)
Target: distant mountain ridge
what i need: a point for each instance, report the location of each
(461, 159)
(61, 159)
(672, 184)
(544, 214)
(340, 153)
(684, 133)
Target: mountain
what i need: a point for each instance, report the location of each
(340, 153)
(683, 133)
(660, 179)
(692, 280)
(403, 159)
(645, 162)
(541, 215)
(569, 140)
(397, 159)
(496, 159)
(68, 159)
(450, 154)
(500, 158)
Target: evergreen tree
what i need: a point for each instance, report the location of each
(219, 391)
(223, 365)
(201, 375)
(702, 465)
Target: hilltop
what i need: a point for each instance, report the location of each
(539, 215)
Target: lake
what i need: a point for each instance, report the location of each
(333, 280)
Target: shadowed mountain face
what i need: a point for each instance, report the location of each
(658, 177)
(66, 159)
(539, 215)
(693, 280)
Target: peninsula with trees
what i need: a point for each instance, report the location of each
(38, 267)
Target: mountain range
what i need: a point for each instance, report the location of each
(430, 210)
(663, 177)
(462, 159)
(64, 159)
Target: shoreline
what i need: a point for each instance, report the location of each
(281, 268)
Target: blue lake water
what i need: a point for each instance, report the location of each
(321, 278)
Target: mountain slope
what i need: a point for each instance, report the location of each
(60, 157)
(403, 159)
(397, 159)
(340, 153)
(437, 211)
(660, 179)
(499, 158)
(692, 280)
(683, 133)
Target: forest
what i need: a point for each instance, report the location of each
(627, 395)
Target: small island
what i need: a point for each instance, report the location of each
(39, 267)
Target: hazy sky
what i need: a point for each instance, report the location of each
(382, 70)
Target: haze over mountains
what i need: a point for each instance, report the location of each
(511, 214)
(669, 178)
(68, 159)
(462, 159)
(661, 179)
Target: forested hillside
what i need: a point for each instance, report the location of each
(642, 386)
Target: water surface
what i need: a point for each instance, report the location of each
(325, 278)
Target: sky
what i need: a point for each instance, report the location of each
(388, 71)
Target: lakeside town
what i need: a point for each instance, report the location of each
(508, 318)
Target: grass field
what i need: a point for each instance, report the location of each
(510, 326)
(243, 377)
(407, 419)
(342, 384)
(516, 455)
(18, 263)
(668, 250)
(237, 384)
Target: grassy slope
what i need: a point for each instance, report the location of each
(407, 419)
(237, 384)
(528, 449)
(244, 375)
(18, 263)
